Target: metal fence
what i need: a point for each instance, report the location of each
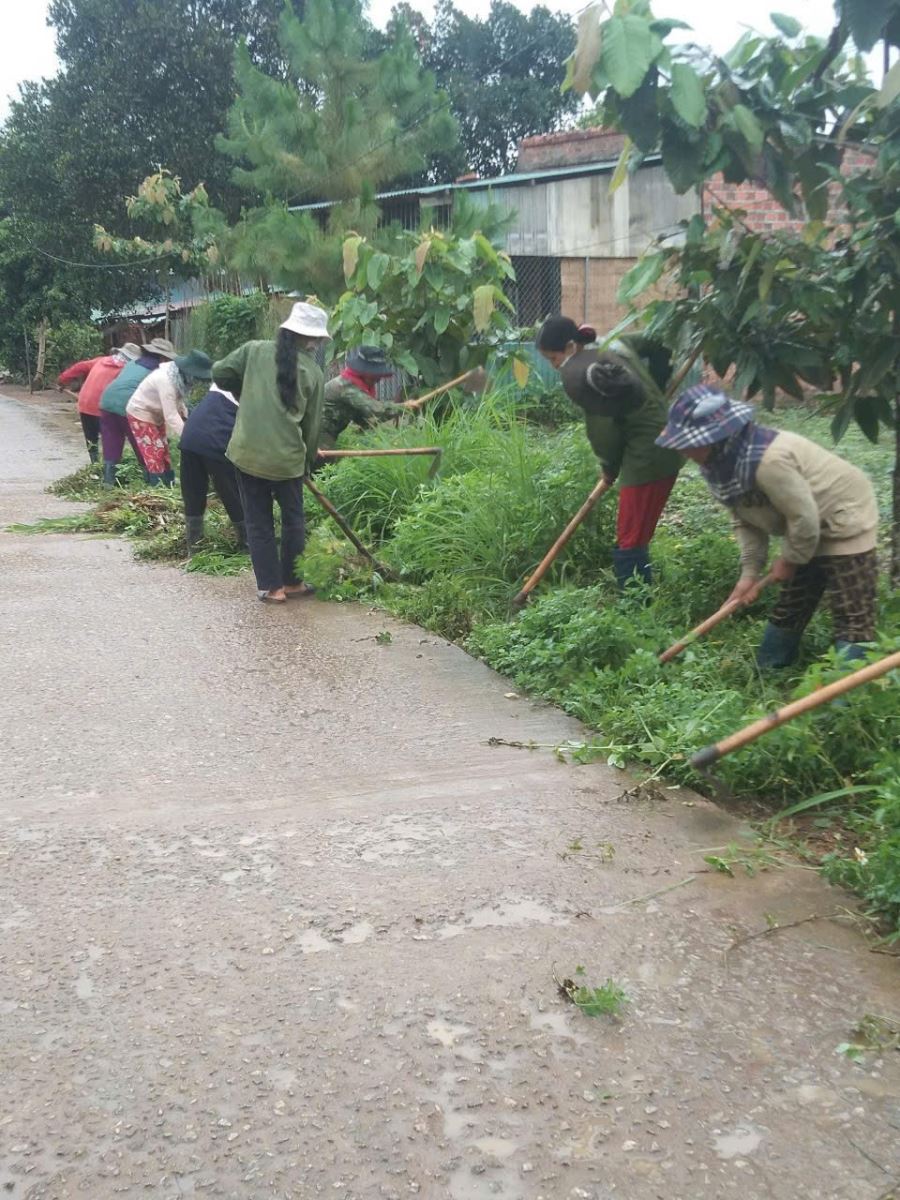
(536, 291)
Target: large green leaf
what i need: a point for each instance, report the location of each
(375, 270)
(682, 157)
(789, 26)
(748, 126)
(587, 52)
(641, 276)
(866, 411)
(441, 320)
(890, 88)
(629, 49)
(841, 420)
(482, 307)
(866, 19)
(639, 116)
(688, 97)
(879, 361)
(621, 172)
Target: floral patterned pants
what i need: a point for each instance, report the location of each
(153, 445)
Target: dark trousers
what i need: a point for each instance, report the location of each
(197, 470)
(90, 427)
(114, 430)
(273, 570)
(851, 583)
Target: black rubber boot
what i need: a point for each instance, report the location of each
(778, 648)
(153, 480)
(632, 564)
(850, 652)
(193, 532)
(109, 474)
(93, 453)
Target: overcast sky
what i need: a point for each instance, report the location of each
(26, 47)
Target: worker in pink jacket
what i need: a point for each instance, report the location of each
(96, 373)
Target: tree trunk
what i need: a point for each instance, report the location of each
(38, 381)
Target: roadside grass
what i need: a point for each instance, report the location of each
(461, 545)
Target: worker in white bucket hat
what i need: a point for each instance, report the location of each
(280, 388)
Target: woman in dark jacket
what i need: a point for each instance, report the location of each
(620, 393)
(204, 440)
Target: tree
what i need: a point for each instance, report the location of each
(435, 302)
(501, 74)
(139, 85)
(784, 309)
(342, 121)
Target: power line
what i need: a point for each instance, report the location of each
(92, 266)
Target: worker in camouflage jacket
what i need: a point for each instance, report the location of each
(350, 398)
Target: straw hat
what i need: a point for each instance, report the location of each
(129, 351)
(308, 319)
(161, 347)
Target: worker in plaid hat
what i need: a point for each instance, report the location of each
(779, 484)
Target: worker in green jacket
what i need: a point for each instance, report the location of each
(621, 395)
(351, 397)
(276, 434)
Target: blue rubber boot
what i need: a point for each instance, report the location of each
(632, 564)
(153, 480)
(850, 652)
(109, 474)
(168, 478)
(778, 648)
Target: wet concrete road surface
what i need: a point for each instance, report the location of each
(275, 921)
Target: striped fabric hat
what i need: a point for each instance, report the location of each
(702, 416)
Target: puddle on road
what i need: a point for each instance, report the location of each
(445, 1033)
(496, 1147)
(744, 1140)
(508, 914)
(356, 934)
(312, 942)
(552, 1022)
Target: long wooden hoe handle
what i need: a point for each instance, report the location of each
(821, 696)
(729, 607)
(520, 597)
(531, 583)
(412, 405)
(345, 528)
(435, 451)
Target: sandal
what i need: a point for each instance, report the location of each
(301, 591)
(267, 598)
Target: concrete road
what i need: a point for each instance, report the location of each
(276, 921)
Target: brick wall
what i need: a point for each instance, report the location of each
(569, 149)
(764, 213)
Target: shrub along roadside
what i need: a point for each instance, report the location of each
(461, 545)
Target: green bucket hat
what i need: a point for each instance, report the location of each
(195, 364)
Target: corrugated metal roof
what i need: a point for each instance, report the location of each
(470, 185)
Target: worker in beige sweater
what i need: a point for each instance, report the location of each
(782, 485)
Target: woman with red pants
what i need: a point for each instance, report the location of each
(620, 393)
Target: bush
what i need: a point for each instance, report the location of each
(69, 342)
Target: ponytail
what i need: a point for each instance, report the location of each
(287, 346)
(557, 332)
